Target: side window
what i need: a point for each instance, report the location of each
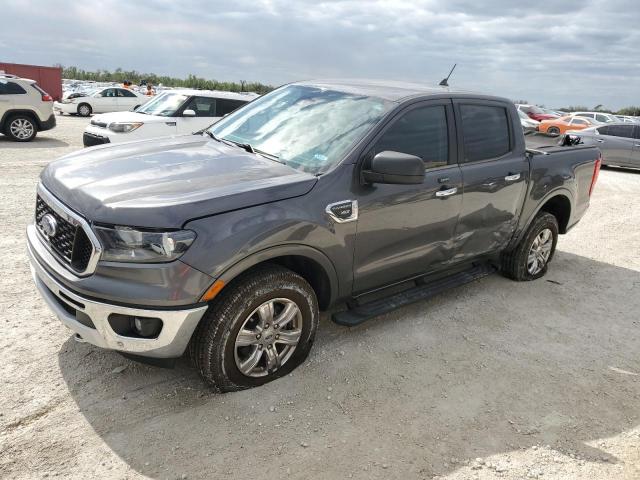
(636, 131)
(11, 88)
(225, 106)
(603, 130)
(125, 93)
(422, 132)
(625, 131)
(109, 92)
(579, 121)
(588, 115)
(203, 106)
(485, 131)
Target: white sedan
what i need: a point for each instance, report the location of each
(110, 99)
(173, 112)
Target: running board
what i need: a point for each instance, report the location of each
(422, 291)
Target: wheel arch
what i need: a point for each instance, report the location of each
(559, 203)
(311, 264)
(9, 113)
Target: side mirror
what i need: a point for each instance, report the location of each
(189, 113)
(395, 168)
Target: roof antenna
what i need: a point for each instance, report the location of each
(445, 81)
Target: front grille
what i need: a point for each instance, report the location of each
(70, 242)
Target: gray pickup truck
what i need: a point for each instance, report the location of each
(227, 243)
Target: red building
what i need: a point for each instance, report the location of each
(49, 78)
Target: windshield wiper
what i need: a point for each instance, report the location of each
(246, 146)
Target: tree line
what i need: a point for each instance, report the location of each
(191, 81)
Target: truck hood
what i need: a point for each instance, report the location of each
(163, 183)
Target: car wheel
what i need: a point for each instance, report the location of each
(84, 110)
(553, 131)
(259, 328)
(21, 128)
(530, 259)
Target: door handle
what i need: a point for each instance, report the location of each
(512, 177)
(446, 193)
(637, 145)
(599, 140)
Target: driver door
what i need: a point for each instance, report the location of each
(407, 230)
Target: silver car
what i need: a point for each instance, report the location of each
(618, 142)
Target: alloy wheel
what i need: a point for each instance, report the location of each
(268, 337)
(539, 252)
(21, 128)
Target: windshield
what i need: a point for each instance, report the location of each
(536, 110)
(309, 128)
(163, 105)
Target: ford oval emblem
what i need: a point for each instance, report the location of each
(48, 225)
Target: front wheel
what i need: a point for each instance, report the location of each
(553, 131)
(261, 327)
(530, 259)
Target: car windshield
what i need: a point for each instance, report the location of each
(307, 127)
(164, 105)
(536, 110)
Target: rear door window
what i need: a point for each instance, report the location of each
(625, 131)
(485, 132)
(125, 93)
(109, 92)
(11, 88)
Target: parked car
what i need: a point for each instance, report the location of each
(171, 113)
(560, 125)
(626, 119)
(227, 243)
(529, 125)
(618, 142)
(25, 108)
(597, 116)
(535, 112)
(102, 100)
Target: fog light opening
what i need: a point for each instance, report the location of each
(147, 327)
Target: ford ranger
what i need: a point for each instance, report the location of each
(226, 243)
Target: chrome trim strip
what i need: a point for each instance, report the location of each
(178, 325)
(76, 220)
(354, 211)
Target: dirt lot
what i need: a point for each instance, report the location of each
(496, 379)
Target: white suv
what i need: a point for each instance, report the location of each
(175, 112)
(25, 109)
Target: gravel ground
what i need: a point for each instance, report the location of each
(496, 379)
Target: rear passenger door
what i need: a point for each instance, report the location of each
(616, 143)
(495, 174)
(127, 100)
(10, 95)
(635, 156)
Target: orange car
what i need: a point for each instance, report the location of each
(558, 126)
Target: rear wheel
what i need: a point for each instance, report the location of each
(530, 259)
(21, 128)
(553, 131)
(260, 328)
(84, 110)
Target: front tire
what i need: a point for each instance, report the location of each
(530, 259)
(553, 131)
(21, 128)
(259, 328)
(84, 109)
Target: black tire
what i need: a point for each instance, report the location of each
(213, 345)
(553, 131)
(84, 110)
(515, 262)
(21, 128)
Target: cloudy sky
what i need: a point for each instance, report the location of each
(551, 52)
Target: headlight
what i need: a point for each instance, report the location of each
(124, 127)
(124, 244)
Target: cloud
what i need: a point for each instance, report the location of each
(556, 53)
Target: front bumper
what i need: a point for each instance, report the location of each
(78, 313)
